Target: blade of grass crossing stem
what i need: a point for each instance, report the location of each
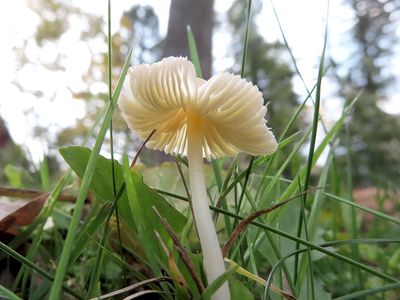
(64, 261)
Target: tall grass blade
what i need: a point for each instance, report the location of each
(312, 148)
(246, 37)
(194, 54)
(364, 208)
(109, 69)
(368, 292)
(66, 253)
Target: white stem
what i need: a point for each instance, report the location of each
(212, 255)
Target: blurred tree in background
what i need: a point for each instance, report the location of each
(199, 15)
(374, 136)
(12, 159)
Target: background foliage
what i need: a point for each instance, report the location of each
(360, 169)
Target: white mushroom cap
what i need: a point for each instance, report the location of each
(227, 109)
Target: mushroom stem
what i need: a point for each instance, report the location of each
(212, 256)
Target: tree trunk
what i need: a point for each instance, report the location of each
(199, 14)
(5, 137)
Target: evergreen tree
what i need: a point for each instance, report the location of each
(374, 136)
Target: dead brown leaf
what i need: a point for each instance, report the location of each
(20, 212)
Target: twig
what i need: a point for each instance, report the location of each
(182, 252)
(246, 221)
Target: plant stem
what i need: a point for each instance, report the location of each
(212, 255)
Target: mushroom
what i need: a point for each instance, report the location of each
(198, 119)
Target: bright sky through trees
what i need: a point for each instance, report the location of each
(302, 22)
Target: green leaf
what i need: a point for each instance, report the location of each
(101, 184)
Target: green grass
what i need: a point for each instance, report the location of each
(302, 247)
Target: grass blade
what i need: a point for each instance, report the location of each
(364, 208)
(6, 294)
(310, 157)
(299, 240)
(66, 253)
(246, 37)
(365, 293)
(33, 266)
(310, 245)
(328, 244)
(194, 54)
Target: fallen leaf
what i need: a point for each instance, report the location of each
(20, 212)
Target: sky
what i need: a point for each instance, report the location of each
(303, 23)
